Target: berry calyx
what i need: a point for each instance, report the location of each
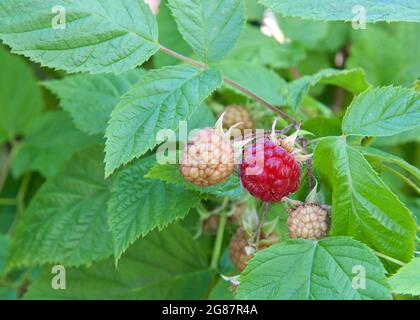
(208, 158)
(268, 171)
(308, 221)
(239, 244)
(237, 114)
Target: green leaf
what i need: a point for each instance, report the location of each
(8, 294)
(388, 53)
(211, 27)
(138, 205)
(256, 48)
(255, 78)
(4, 244)
(336, 37)
(98, 36)
(362, 205)
(307, 32)
(20, 96)
(383, 112)
(323, 127)
(50, 141)
(169, 37)
(412, 135)
(232, 187)
(254, 10)
(158, 101)
(201, 118)
(352, 80)
(164, 265)
(331, 10)
(407, 279)
(314, 270)
(372, 153)
(66, 220)
(90, 99)
(222, 290)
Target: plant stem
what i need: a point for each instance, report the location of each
(217, 249)
(406, 180)
(261, 223)
(338, 99)
(22, 192)
(20, 206)
(234, 84)
(259, 99)
(5, 165)
(309, 165)
(181, 57)
(220, 208)
(295, 72)
(383, 256)
(316, 140)
(7, 202)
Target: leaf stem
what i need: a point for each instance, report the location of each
(5, 165)
(232, 83)
(259, 99)
(383, 256)
(22, 192)
(220, 208)
(181, 57)
(261, 223)
(20, 206)
(217, 249)
(406, 180)
(309, 165)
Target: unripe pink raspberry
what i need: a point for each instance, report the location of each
(208, 158)
(308, 221)
(237, 114)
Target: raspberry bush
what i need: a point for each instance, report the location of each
(161, 154)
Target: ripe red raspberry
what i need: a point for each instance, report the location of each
(308, 221)
(207, 159)
(237, 114)
(240, 241)
(268, 171)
